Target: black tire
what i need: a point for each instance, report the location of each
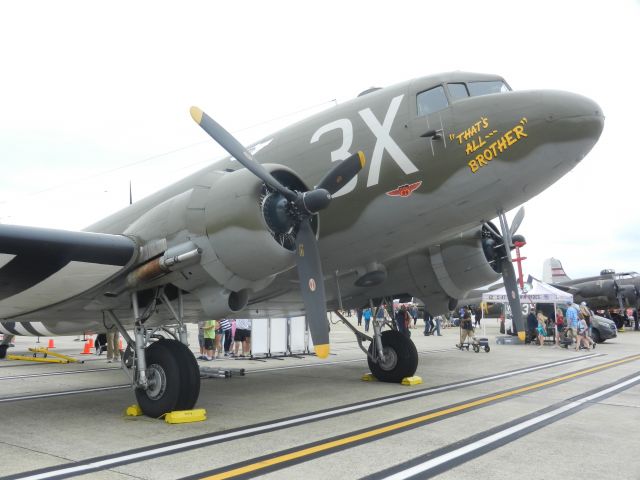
(189, 375)
(402, 359)
(595, 334)
(476, 348)
(169, 375)
(487, 348)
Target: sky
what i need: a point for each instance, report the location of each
(94, 95)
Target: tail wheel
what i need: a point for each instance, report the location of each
(173, 381)
(401, 358)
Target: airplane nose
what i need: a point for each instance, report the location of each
(575, 114)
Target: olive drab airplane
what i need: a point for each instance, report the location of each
(387, 194)
(607, 290)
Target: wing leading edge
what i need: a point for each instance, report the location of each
(41, 266)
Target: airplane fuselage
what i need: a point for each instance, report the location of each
(438, 162)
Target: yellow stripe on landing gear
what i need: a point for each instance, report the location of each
(522, 336)
(186, 416)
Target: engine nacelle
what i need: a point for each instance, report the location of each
(448, 271)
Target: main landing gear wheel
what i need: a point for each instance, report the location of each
(401, 358)
(173, 376)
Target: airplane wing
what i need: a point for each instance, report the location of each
(566, 288)
(40, 267)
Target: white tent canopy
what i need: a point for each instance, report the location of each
(534, 291)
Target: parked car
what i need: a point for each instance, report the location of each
(602, 329)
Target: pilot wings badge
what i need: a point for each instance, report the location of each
(404, 190)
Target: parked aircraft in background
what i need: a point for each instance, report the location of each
(445, 154)
(607, 290)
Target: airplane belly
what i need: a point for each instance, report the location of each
(66, 283)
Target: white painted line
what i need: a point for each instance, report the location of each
(168, 449)
(435, 462)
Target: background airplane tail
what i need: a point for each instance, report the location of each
(552, 271)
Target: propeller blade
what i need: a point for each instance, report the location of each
(312, 287)
(237, 150)
(511, 288)
(342, 173)
(517, 220)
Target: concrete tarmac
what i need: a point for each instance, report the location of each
(482, 396)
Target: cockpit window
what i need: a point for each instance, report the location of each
(485, 88)
(431, 101)
(457, 91)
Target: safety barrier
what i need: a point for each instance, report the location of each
(280, 336)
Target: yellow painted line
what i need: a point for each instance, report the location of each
(407, 423)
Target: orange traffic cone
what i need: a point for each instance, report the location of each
(90, 342)
(51, 343)
(87, 349)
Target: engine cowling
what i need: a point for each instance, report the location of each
(234, 220)
(446, 272)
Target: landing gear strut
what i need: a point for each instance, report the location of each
(391, 355)
(166, 376)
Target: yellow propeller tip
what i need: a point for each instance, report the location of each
(196, 114)
(522, 336)
(362, 158)
(322, 351)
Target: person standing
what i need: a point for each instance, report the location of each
(428, 323)
(402, 320)
(571, 316)
(367, 318)
(113, 347)
(414, 315)
(203, 352)
(242, 336)
(359, 314)
(209, 339)
(438, 320)
(225, 326)
(466, 327)
(559, 326)
(477, 313)
(542, 327)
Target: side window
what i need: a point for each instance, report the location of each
(457, 91)
(431, 101)
(485, 88)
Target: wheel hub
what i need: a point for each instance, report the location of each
(390, 359)
(157, 379)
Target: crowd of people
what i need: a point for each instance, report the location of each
(224, 337)
(563, 328)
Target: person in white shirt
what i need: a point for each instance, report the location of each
(243, 335)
